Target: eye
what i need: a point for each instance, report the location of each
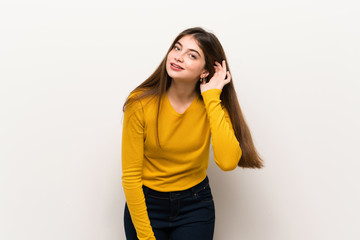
(192, 56)
(176, 48)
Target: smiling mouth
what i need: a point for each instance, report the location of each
(176, 66)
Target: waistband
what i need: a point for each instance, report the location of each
(177, 194)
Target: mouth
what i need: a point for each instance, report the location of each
(176, 66)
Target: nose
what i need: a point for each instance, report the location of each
(179, 57)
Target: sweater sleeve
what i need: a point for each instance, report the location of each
(227, 151)
(132, 155)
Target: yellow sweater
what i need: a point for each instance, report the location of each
(183, 161)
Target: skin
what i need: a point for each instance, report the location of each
(182, 90)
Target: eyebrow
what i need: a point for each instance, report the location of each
(189, 48)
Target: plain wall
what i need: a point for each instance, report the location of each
(66, 68)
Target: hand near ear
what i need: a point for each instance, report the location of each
(218, 80)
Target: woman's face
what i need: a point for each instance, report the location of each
(188, 59)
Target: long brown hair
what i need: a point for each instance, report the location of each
(159, 82)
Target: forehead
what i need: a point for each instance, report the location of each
(189, 41)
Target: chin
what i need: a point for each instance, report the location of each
(173, 74)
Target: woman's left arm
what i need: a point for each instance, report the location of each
(227, 151)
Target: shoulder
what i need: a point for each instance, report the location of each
(139, 100)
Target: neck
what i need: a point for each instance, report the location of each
(181, 91)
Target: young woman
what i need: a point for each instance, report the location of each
(168, 122)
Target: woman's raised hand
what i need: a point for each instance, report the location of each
(218, 80)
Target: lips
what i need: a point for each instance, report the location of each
(177, 66)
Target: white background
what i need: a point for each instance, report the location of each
(66, 68)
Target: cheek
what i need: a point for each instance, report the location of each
(168, 60)
(197, 66)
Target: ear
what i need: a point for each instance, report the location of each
(204, 74)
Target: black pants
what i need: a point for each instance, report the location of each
(180, 215)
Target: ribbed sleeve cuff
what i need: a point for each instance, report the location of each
(211, 94)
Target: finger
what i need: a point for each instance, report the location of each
(228, 79)
(220, 68)
(218, 64)
(224, 65)
(215, 67)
